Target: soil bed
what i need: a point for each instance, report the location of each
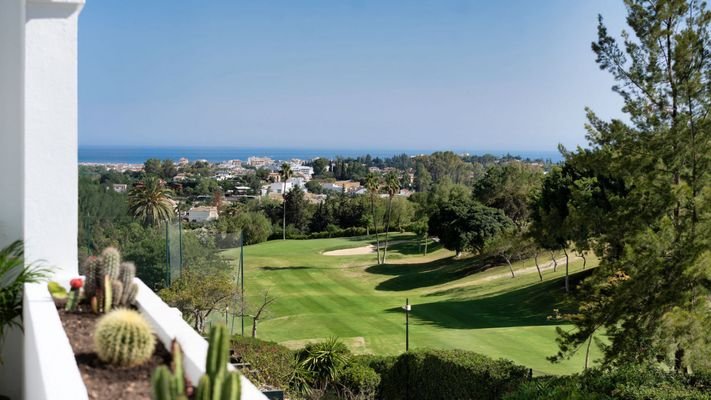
(102, 380)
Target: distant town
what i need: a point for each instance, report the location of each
(258, 177)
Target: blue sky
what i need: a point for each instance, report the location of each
(439, 74)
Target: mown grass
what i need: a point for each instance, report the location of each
(456, 303)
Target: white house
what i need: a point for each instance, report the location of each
(202, 214)
(280, 188)
(332, 187)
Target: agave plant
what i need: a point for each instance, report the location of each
(14, 273)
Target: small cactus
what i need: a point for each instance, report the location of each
(131, 294)
(109, 282)
(107, 294)
(110, 262)
(161, 384)
(169, 384)
(124, 338)
(116, 293)
(92, 265)
(216, 384)
(127, 272)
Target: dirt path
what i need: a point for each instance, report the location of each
(359, 251)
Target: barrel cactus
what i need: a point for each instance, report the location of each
(124, 338)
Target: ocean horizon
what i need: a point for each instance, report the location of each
(139, 154)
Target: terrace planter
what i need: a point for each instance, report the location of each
(50, 368)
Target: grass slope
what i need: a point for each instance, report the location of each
(456, 303)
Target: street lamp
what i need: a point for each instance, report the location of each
(407, 309)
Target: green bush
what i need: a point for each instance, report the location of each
(626, 383)
(358, 382)
(451, 374)
(271, 364)
(380, 364)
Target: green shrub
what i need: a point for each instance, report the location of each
(451, 374)
(271, 363)
(380, 364)
(627, 383)
(358, 382)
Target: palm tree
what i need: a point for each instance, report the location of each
(285, 173)
(392, 184)
(150, 202)
(372, 185)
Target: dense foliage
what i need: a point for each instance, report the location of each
(270, 363)
(450, 374)
(640, 195)
(632, 382)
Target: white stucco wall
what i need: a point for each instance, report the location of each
(12, 39)
(50, 148)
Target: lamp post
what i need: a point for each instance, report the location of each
(407, 309)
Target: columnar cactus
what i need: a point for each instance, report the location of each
(169, 384)
(126, 275)
(124, 338)
(109, 282)
(110, 262)
(92, 266)
(217, 384)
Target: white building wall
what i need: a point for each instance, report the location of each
(50, 148)
(12, 55)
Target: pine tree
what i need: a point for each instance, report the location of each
(643, 191)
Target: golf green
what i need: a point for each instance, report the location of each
(456, 303)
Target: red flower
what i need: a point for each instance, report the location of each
(76, 283)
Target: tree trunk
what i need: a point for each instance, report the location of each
(375, 226)
(254, 328)
(585, 261)
(587, 352)
(283, 225)
(427, 238)
(555, 262)
(387, 229)
(540, 275)
(567, 288)
(510, 266)
(678, 359)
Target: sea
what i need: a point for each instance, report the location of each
(137, 155)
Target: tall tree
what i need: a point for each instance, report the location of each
(150, 201)
(285, 174)
(392, 185)
(372, 185)
(508, 187)
(464, 224)
(644, 188)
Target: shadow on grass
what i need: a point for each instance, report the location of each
(284, 268)
(432, 273)
(526, 306)
(413, 247)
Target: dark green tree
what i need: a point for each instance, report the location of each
(644, 188)
(462, 224)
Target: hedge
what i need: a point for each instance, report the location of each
(450, 374)
(271, 363)
(358, 382)
(631, 382)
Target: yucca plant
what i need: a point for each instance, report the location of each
(14, 273)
